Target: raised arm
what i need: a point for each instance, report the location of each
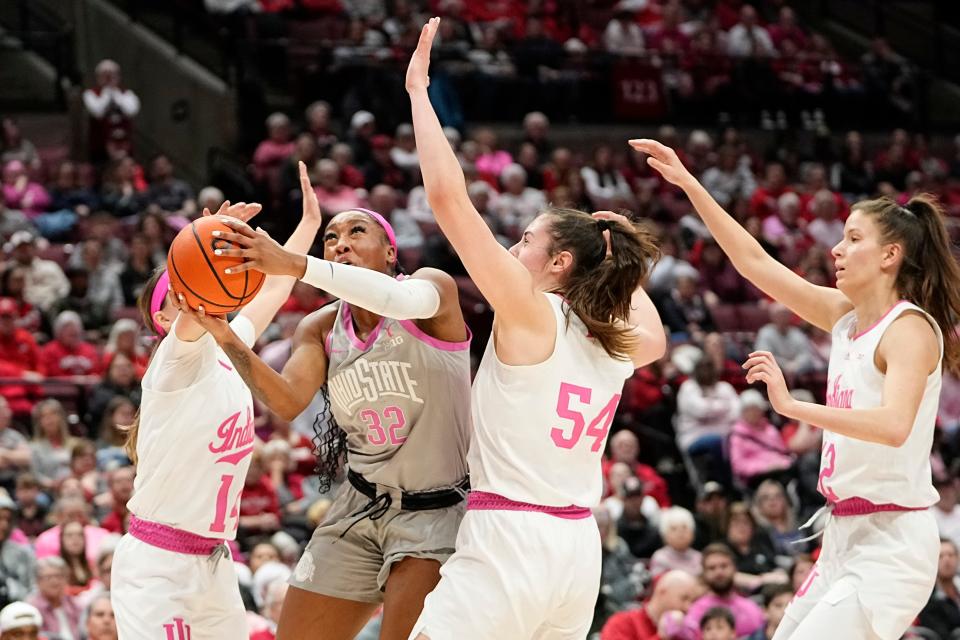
(820, 306)
(276, 288)
(503, 280)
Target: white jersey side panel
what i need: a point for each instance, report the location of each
(851, 468)
(540, 430)
(194, 444)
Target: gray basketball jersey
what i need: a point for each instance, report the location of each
(403, 399)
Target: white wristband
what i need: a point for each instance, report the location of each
(374, 291)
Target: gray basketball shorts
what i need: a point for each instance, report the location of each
(350, 556)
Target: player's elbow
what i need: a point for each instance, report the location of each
(898, 435)
(289, 410)
(651, 346)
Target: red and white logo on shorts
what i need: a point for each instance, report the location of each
(177, 630)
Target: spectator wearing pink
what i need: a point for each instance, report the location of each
(71, 509)
(21, 193)
(491, 161)
(784, 229)
(756, 447)
(948, 416)
(274, 151)
(718, 573)
(61, 613)
(68, 354)
(677, 529)
(333, 195)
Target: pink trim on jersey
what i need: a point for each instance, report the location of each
(484, 501)
(437, 343)
(225, 365)
(328, 341)
(171, 539)
(348, 325)
(862, 507)
(879, 320)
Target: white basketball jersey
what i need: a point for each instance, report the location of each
(194, 443)
(852, 468)
(540, 430)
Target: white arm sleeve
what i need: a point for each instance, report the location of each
(374, 291)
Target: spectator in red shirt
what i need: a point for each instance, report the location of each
(19, 358)
(625, 448)
(121, 490)
(272, 604)
(764, 200)
(786, 29)
(68, 354)
(123, 339)
(259, 502)
(672, 596)
(668, 37)
(13, 285)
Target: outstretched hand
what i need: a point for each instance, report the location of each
(664, 160)
(242, 211)
(311, 206)
(419, 67)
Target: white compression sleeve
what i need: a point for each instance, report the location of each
(374, 291)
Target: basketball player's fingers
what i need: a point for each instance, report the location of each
(651, 147)
(247, 265)
(662, 167)
(241, 239)
(223, 208)
(249, 211)
(230, 253)
(206, 212)
(238, 226)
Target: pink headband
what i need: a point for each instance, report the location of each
(156, 300)
(379, 219)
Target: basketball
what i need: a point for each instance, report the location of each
(199, 275)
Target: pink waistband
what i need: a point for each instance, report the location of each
(171, 539)
(862, 507)
(483, 501)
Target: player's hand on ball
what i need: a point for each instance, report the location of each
(259, 251)
(417, 71)
(217, 326)
(762, 367)
(665, 161)
(243, 211)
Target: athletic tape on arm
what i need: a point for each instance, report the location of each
(374, 291)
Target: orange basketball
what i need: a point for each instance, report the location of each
(199, 275)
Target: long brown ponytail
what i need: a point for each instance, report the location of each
(601, 285)
(929, 275)
(143, 305)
